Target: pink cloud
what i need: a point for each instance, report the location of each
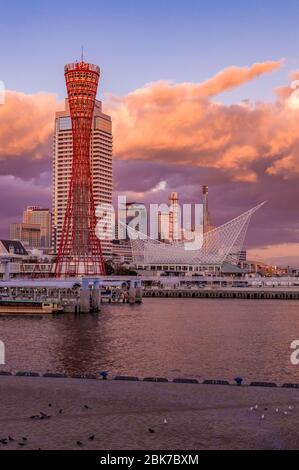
(182, 124)
(26, 129)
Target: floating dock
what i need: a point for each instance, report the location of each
(66, 296)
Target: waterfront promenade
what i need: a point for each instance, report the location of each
(119, 414)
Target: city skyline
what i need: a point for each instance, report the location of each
(222, 118)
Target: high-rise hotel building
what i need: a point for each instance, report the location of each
(101, 166)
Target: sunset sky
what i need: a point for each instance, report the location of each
(199, 92)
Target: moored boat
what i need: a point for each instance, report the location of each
(24, 306)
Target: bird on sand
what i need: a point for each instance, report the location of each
(91, 438)
(79, 444)
(151, 430)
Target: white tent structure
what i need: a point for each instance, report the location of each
(223, 244)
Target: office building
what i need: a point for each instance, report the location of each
(42, 217)
(28, 234)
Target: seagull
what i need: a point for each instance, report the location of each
(151, 430)
(291, 408)
(60, 412)
(277, 410)
(256, 407)
(79, 443)
(86, 407)
(24, 439)
(21, 444)
(286, 413)
(263, 416)
(10, 438)
(50, 404)
(251, 409)
(91, 438)
(165, 421)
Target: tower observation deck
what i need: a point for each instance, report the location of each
(80, 250)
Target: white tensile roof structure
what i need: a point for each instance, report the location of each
(222, 244)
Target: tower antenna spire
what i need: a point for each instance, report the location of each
(82, 54)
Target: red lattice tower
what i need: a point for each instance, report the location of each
(80, 252)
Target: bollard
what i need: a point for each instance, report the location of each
(239, 381)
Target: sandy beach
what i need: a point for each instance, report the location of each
(120, 414)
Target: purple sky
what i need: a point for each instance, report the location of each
(240, 140)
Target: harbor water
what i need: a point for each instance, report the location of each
(195, 338)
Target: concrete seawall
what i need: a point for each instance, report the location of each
(250, 294)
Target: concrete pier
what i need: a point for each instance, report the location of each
(84, 301)
(249, 294)
(96, 298)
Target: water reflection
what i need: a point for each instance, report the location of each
(169, 337)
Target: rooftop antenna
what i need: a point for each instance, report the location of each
(82, 54)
